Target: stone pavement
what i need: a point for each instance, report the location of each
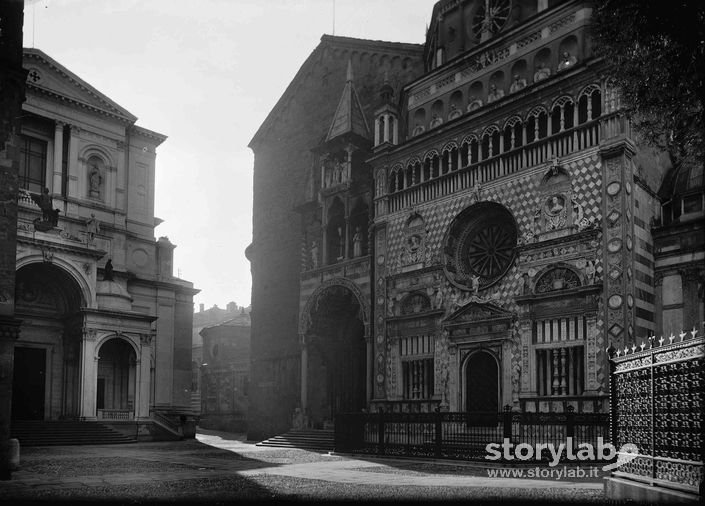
(51, 472)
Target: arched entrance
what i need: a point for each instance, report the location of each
(482, 383)
(336, 365)
(47, 355)
(116, 382)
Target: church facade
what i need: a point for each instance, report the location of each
(473, 238)
(106, 327)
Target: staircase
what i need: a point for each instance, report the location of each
(53, 433)
(305, 439)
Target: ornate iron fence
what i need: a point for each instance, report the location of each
(464, 436)
(657, 403)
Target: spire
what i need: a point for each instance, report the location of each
(349, 117)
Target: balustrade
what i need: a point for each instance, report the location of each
(584, 136)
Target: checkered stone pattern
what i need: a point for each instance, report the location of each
(522, 195)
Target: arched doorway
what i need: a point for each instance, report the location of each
(336, 370)
(48, 301)
(482, 383)
(115, 388)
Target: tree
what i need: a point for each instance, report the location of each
(655, 54)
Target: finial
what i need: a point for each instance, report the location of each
(660, 341)
(642, 345)
(633, 348)
(671, 338)
(350, 74)
(694, 331)
(682, 334)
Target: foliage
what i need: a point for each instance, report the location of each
(655, 53)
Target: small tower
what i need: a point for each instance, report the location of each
(386, 117)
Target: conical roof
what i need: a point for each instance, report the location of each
(349, 117)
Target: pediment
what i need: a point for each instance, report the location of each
(47, 75)
(478, 311)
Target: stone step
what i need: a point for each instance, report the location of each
(52, 433)
(319, 440)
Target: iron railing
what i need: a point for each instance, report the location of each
(658, 404)
(464, 436)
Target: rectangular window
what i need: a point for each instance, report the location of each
(560, 355)
(417, 366)
(560, 371)
(33, 162)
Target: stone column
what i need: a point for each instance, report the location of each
(58, 157)
(304, 374)
(528, 359)
(143, 378)
(72, 187)
(88, 375)
(369, 370)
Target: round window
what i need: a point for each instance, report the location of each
(480, 246)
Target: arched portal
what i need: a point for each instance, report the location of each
(47, 355)
(336, 351)
(482, 383)
(115, 388)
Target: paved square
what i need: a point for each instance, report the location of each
(223, 467)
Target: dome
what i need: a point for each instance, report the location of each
(682, 192)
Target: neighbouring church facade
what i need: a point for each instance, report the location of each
(105, 326)
(474, 235)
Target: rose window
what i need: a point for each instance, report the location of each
(480, 246)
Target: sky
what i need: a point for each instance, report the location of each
(206, 74)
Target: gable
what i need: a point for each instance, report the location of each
(45, 75)
(478, 311)
(329, 59)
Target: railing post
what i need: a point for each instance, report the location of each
(570, 425)
(439, 431)
(380, 431)
(507, 422)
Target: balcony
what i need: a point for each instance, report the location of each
(584, 136)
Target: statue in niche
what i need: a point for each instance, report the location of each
(526, 288)
(494, 94)
(516, 380)
(341, 244)
(92, 228)
(590, 272)
(518, 84)
(454, 112)
(95, 180)
(439, 298)
(390, 305)
(475, 103)
(418, 129)
(357, 243)
(314, 255)
(567, 60)
(337, 172)
(542, 72)
(435, 121)
(108, 270)
(414, 243)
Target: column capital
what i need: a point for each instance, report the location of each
(9, 328)
(58, 124)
